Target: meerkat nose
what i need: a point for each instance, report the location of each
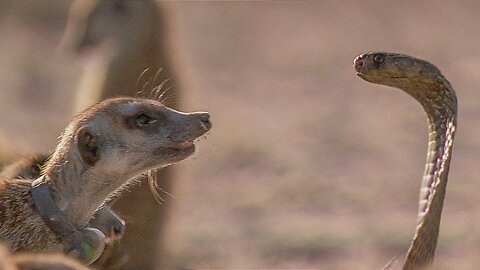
(205, 121)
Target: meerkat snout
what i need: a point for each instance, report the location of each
(205, 121)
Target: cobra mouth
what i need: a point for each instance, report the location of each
(358, 63)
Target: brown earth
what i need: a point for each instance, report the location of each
(307, 165)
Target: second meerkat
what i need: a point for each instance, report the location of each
(99, 153)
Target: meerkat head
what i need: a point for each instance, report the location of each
(122, 22)
(125, 136)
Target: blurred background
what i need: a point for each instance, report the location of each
(307, 166)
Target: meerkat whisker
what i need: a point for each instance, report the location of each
(168, 98)
(157, 94)
(140, 77)
(145, 85)
(157, 75)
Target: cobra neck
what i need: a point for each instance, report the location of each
(440, 104)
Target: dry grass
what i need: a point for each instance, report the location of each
(307, 165)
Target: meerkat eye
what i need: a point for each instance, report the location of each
(378, 58)
(143, 120)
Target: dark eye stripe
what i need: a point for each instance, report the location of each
(142, 120)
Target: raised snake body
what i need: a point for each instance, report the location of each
(428, 86)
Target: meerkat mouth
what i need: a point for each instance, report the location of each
(180, 150)
(183, 146)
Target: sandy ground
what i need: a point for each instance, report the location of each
(307, 166)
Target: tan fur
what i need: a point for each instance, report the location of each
(3, 185)
(37, 262)
(5, 157)
(7, 154)
(10, 150)
(132, 38)
(100, 151)
(30, 167)
(5, 260)
(25, 168)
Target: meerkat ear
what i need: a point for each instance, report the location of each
(87, 145)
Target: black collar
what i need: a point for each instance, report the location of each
(53, 217)
(84, 243)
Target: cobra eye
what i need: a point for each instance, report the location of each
(378, 58)
(143, 120)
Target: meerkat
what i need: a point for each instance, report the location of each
(132, 36)
(100, 152)
(131, 41)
